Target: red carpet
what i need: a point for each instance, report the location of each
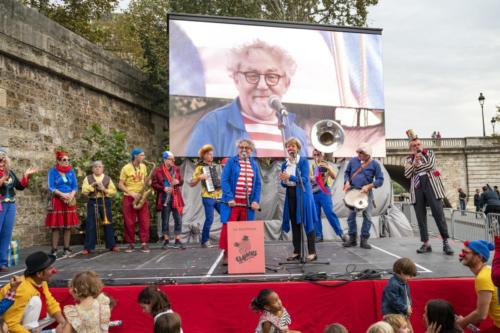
(225, 307)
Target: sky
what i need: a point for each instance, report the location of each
(438, 56)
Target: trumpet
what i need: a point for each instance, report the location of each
(99, 187)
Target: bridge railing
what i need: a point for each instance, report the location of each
(427, 143)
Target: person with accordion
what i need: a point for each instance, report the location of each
(208, 174)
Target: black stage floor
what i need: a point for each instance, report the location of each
(204, 265)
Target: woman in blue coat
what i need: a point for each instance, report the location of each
(294, 212)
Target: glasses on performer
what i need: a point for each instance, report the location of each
(64, 159)
(245, 147)
(271, 79)
(316, 154)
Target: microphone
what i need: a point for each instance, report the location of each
(275, 103)
(244, 155)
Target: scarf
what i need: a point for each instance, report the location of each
(318, 177)
(177, 202)
(63, 169)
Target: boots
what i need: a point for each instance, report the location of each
(364, 243)
(353, 241)
(447, 248)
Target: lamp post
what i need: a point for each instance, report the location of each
(493, 121)
(481, 102)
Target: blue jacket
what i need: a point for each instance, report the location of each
(224, 126)
(56, 181)
(365, 176)
(229, 179)
(394, 297)
(5, 304)
(308, 205)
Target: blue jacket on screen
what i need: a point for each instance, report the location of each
(229, 178)
(396, 297)
(224, 126)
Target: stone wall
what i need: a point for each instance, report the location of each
(53, 86)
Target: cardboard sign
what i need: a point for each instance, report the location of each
(246, 252)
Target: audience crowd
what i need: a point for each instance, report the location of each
(27, 304)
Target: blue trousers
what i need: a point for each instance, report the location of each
(165, 218)
(323, 200)
(7, 217)
(367, 219)
(209, 205)
(90, 226)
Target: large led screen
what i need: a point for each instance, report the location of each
(223, 73)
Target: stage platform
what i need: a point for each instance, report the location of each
(204, 265)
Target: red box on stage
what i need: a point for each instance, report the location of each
(246, 252)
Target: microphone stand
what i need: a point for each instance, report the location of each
(303, 236)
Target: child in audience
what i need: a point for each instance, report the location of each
(439, 317)
(380, 327)
(155, 302)
(93, 311)
(8, 300)
(274, 317)
(335, 328)
(396, 297)
(398, 323)
(168, 323)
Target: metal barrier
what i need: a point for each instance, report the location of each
(493, 226)
(469, 225)
(462, 224)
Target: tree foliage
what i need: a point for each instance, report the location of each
(79, 16)
(139, 35)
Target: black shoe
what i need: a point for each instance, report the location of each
(364, 243)
(447, 249)
(353, 241)
(293, 257)
(165, 244)
(53, 252)
(178, 245)
(424, 249)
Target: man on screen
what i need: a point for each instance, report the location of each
(259, 70)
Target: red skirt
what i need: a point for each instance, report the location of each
(62, 215)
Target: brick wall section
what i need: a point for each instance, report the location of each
(53, 86)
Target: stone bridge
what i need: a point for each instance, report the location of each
(468, 163)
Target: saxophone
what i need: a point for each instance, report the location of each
(146, 189)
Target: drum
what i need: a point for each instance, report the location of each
(355, 199)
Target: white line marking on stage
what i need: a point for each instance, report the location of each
(161, 258)
(425, 270)
(22, 270)
(148, 261)
(212, 268)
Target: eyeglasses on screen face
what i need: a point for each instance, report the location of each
(253, 77)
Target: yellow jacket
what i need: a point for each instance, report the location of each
(24, 293)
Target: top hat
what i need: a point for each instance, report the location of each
(37, 262)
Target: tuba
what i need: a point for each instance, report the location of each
(327, 136)
(146, 189)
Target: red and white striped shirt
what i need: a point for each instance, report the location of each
(246, 172)
(265, 135)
